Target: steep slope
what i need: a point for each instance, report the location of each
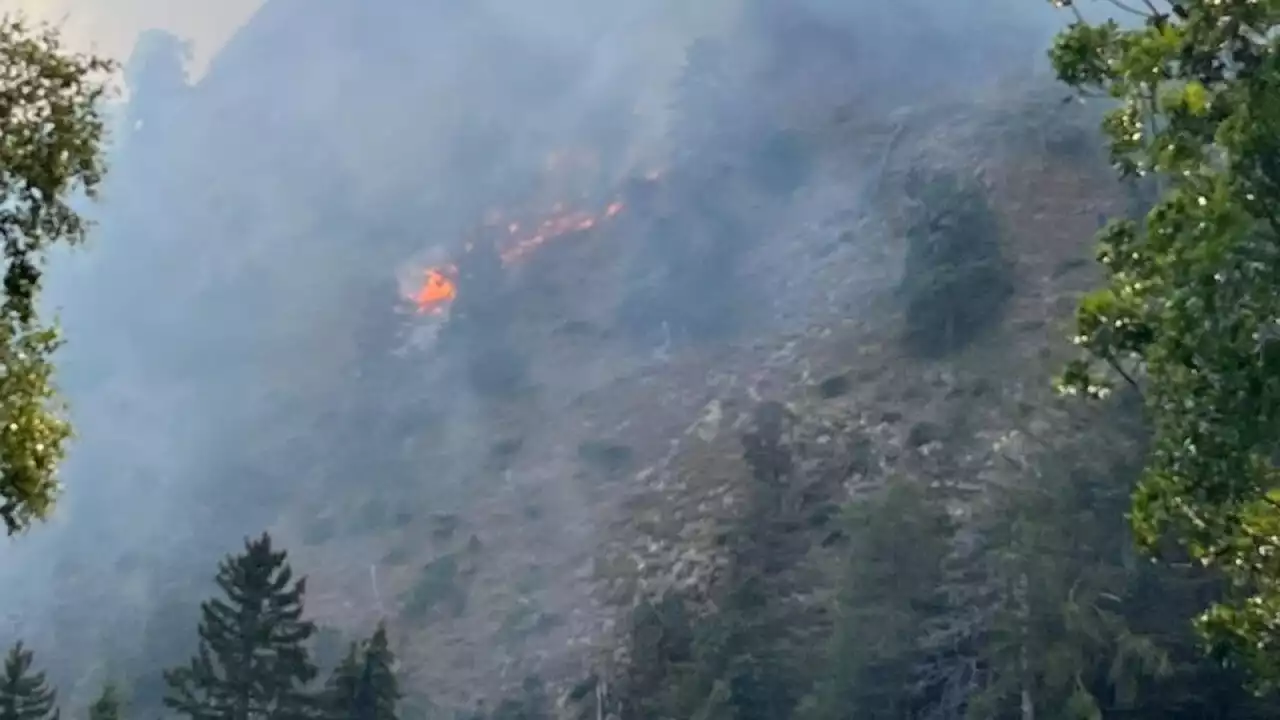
(335, 149)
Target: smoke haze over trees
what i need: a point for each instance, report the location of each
(643, 360)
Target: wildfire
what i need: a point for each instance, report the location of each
(439, 287)
(438, 290)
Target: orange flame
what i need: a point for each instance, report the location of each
(437, 291)
(439, 288)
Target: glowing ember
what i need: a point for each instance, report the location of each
(439, 287)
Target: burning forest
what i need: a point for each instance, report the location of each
(608, 442)
(439, 283)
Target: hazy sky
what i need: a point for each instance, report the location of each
(110, 26)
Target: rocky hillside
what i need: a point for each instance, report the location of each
(529, 562)
(867, 286)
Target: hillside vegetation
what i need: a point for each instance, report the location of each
(750, 408)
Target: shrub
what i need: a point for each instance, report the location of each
(438, 585)
(956, 280)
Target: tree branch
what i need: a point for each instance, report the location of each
(1133, 10)
(1115, 365)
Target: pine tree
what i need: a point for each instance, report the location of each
(108, 705)
(25, 694)
(1062, 636)
(252, 662)
(891, 589)
(343, 686)
(364, 685)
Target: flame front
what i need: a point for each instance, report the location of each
(439, 287)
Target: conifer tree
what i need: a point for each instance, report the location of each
(891, 589)
(364, 685)
(108, 705)
(24, 693)
(252, 662)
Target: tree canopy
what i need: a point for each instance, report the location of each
(51, 137)
(252, 661)
(25, 694)
(1190, 312)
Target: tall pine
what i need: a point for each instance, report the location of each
(252, 662)
(364, 685)
(24, 693)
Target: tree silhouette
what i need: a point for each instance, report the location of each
(252, 661)
(364, 685)
(24, 693)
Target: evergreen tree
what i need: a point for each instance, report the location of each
(1060, 643)
(889, 593)
(24, 693)
(364, 685)
(252, 662)
(108, 705)
(343, 686)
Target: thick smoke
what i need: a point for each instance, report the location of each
(238, 327)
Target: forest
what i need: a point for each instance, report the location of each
(1030, 474)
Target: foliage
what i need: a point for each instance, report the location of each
(52, 150)
(743, 660)
(252, 660)
(1060, 640)
(364, 685)
(108, 705)
(714, 669)
(24, 693)
(955, 278)
(439, 584)
(1189, 312)
(892, 587)
(1081, 627)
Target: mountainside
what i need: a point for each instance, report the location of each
(637, 299)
